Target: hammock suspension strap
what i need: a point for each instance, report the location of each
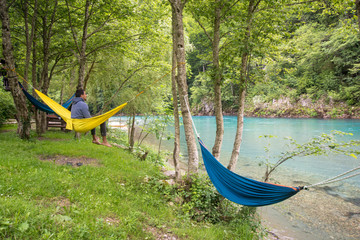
(336, 178)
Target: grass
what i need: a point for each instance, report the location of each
(40, 199)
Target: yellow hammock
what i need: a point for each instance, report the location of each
(78, 125)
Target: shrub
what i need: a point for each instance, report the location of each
(198, 200)
(7, 107)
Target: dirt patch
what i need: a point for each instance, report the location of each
(112, 221)
(62, 201)
(160, 235)
(5, 130)
(71, 161)
(50, 139)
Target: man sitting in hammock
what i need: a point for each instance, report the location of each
(80, 110)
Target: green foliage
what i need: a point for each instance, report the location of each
(316, 61)
(7, 107)
(202, 89)
(197, 199)
(201, 200)
(308, 51)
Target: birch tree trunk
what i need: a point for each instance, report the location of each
(22, 114)
(176, 152)
(193, 162)
(217, 83)
(243, 77)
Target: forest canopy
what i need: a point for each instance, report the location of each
(298, 52)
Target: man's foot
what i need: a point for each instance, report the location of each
(106, 144)
(96, 142)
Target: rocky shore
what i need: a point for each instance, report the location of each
(314, 214)
(284, 107)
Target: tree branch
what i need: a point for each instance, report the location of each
(206, 33)
(91, 9)
(88, 73)
(99, 28)
(229, 8)
(72, 28)
(107, 45)
(57, 59)
(10, 4)
(289, 5)
(52, 21)
(122, 84)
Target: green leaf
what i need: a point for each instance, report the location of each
(23, 227)
(353, 155)
(63, 218)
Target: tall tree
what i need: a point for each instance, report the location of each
(91, 28)
(177, 7)
(214, 14)
(48, 16)
(253, 4)
(29, 33)
(23, 117)
(81, 44)
(263, 25)
(176, 151)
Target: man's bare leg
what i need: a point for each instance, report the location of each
(95, 140)
(105, 142)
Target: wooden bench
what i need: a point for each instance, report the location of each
(55, 121)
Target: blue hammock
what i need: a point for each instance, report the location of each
(41, 106)
(242, 190)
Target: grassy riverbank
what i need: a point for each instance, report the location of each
(56, 187)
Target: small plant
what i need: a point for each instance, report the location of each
(267, 161)
(321, 145)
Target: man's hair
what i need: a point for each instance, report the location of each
(79, 92)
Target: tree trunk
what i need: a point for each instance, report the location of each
(27, 42)
(240, 127)
(23, 117)
(193, 162)
(176, 152)
(35, 82)
(44, 81)
(243, 80)
(29, 37)
(357, 6)
(160, 141)
(46, 39)
(217, 84)
(82, 53)
(132, 132)
(44, 86)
